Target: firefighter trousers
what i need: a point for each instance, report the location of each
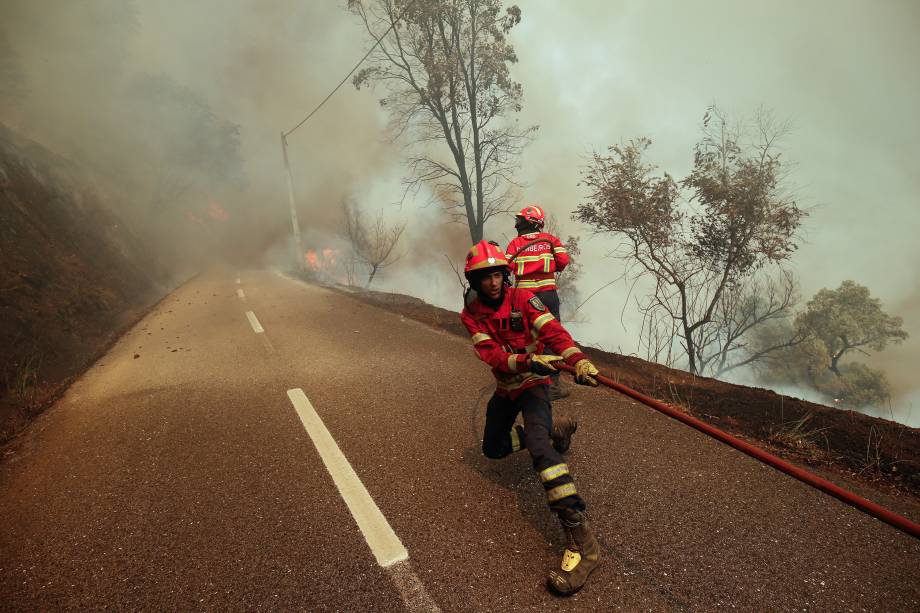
(502, 437)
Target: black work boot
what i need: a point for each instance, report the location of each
(581, 556)
(563, 429)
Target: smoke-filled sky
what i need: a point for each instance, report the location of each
(594, 73)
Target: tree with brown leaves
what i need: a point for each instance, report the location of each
(701, 241)
(445, 68)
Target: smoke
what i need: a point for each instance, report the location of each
(594, 73)
(180, 106)
(899, 362)
(610, 71)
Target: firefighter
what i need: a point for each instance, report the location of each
(536, 256)
(510, 327)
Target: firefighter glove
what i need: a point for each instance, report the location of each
(542, 364)
(585, 373)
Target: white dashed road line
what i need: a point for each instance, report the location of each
(383, 542)
(258, 329)
(385, 545)
(241, 294)
(256, 326)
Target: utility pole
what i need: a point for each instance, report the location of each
(301, 262)
(298, 242)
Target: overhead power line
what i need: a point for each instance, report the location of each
(342, 82)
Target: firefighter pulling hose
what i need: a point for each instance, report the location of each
(510, 329)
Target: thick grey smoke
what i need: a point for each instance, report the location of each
(123, 86)
(594, 73)
(842, 72)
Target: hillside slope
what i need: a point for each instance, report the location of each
(72, 275)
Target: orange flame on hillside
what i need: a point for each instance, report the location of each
(322, 260)
(213, 212)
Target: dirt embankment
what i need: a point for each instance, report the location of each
(876, 451)
(72, 276)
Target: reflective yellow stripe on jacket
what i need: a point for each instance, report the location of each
(525, 259)
(535, 284)
(541, 321)
(566, 353)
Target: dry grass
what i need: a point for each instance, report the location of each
(22, 384)
(797, 434)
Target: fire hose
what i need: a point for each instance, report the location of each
(866, 506)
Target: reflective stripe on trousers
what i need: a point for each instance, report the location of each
(502, 437)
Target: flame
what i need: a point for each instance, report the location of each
(215, 211)
(323, 260)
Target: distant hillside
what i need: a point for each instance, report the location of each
(72, 275)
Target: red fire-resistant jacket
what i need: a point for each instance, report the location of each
(535, 267)
(503, 338)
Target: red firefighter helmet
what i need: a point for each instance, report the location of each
(533, 214)
(484, 255)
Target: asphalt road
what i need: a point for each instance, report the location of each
(177, 474)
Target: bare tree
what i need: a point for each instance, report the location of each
(350, 265)
(456, 272)
(444, 65)
(373, 246)
(728, 344)
(701, 251)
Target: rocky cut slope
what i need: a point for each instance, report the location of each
(72, 275)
